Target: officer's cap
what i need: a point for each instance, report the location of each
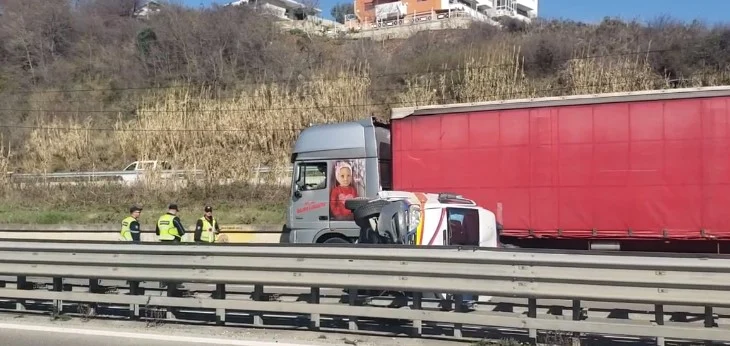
(134, 208)
(172, 206)
(208, 208)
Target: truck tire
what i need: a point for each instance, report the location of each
(357, 202)
(370, 209)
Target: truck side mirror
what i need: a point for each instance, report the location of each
(297, 188)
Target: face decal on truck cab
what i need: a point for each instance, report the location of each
(348, 181)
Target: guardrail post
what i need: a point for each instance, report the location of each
(134, 290)
(709, 317)
(709, 321)
(314, 317)
(171, 292)
(576, 317)
(659, 317)
(258, 295)
(220, 313)
(458, 308)
(58, 287)
(352, 299)
(532, 313)
(94, 286)
(417, 305)
(21, 283)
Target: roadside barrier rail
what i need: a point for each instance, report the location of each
(124, 175)
(657, 279)
(230, 233)
(262, 175)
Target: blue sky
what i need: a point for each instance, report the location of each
(711, 11)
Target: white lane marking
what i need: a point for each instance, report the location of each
(146, 336)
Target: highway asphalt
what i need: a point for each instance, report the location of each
(33, 330)
(33, 335)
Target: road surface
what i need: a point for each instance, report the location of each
(32, 335)
(30, 330)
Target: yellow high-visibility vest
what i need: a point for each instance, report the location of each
(206, 236)
(168, 231)
(126, 231)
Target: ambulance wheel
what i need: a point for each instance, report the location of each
(336, 240)
(370, 209)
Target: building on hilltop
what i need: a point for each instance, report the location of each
(146, 9)
(390, 13)
(293, 15)
(284, 9)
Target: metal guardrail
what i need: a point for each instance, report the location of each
(114, 227)
(687, 281)
(99, 174)
(230, 233)
(124, 175)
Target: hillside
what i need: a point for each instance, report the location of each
(90, 87)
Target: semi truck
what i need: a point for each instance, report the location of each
(633, 171)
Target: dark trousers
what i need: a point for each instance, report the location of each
(164, 284)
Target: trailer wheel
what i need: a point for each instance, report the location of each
(357, 202)
(370, 209)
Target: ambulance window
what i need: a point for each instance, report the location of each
(463, 226)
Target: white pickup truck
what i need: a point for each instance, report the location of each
(132, 173)
(145, 165)
(148, 165)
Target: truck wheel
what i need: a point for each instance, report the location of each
(370, 209)
(357, 202)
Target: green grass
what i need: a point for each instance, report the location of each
(251, 214)
(109, 203)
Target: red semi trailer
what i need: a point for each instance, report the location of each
(638, 171)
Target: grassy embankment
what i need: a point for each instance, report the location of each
(228, 136)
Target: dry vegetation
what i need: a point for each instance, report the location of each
(224, 90)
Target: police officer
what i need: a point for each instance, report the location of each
(207, 227)
(169, 228)
(130, 225)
